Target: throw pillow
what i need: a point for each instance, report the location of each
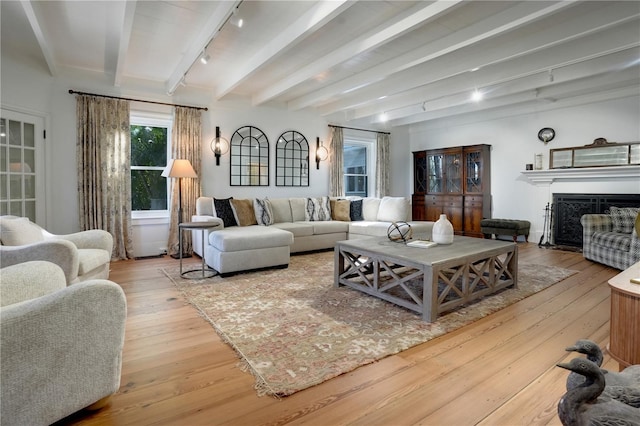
(19, 231)
(340, 210)
(243, 212)
(393, 209)
(318, 209)
(370, 208)
(224, 211)
(623, 218)
(355, 210)
(263, 212)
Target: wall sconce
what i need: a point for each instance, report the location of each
(321, 153)
(219, 146)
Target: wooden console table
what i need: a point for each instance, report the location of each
(624, 340)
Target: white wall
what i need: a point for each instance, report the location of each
(514, 143)
(28, 87)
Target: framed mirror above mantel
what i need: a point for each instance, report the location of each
(600, 153)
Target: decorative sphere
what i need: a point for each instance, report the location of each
(399, 231)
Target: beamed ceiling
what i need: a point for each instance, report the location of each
(349, 61)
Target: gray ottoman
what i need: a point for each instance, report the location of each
(511, 227)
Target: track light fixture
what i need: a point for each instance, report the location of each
(204, 58)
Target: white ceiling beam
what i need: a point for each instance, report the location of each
(499, 23)
(210, 29)
(307, 24)
(123, 41)
(574, 93)
(45, 47)
(492, 78)
(620, 24)
(377, 37)
(606, 69)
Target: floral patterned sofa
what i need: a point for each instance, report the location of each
(612, 238)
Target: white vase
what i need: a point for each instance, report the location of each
(442, 232)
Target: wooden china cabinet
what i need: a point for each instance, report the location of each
(456, 182)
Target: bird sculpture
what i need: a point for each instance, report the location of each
(630, 376)
(586, 406)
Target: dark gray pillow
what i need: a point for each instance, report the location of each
(355, 210)
(224, 211)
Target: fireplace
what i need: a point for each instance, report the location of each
(569, 208)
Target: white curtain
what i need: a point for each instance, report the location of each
(336, 163)
(382, 164)
(103, 156)
(186, 144)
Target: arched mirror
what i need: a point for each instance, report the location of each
(292, 159)
(249, 157)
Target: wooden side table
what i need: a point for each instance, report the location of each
(624, 339)
(202, 226)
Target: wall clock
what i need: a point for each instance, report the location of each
(546, 134)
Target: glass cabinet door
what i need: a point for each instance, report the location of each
(473, 179)
(435, 175)
(453, 174)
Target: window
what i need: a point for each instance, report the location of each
(150, 145)
(359, 160)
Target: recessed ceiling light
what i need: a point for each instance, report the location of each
(476, 96)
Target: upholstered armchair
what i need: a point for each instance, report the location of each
(612, 238)
(60, 346)
(81, 255)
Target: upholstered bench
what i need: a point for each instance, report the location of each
(505, 227)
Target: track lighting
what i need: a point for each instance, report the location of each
(204, 58)
(476, 96)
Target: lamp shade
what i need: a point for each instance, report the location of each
(179, 169)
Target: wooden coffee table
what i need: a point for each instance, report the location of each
(427, 280)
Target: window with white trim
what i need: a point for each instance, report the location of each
(359, 164)
(150, 151)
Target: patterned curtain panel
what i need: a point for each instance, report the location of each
(103, 157)
(336, 163)
(382, 164)
(186, 145)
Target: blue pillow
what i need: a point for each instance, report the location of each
(224, 211)
(355, 210)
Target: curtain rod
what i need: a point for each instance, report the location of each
(71, 91)
(362, 130)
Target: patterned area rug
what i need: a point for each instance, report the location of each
(292, 329)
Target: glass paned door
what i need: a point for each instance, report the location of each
(21, 165)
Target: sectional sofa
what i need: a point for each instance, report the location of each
(259, 233)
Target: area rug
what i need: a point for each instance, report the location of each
(293, 329)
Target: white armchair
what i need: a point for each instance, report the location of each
(81, 255)
(61, 346)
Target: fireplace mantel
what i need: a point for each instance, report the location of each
(546, 177)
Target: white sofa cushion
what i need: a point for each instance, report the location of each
(298, 229)
(281, 210)
(370, 208)
(249, 238)
(298, 208)
(393, 209)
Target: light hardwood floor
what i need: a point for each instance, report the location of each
(497, 371)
